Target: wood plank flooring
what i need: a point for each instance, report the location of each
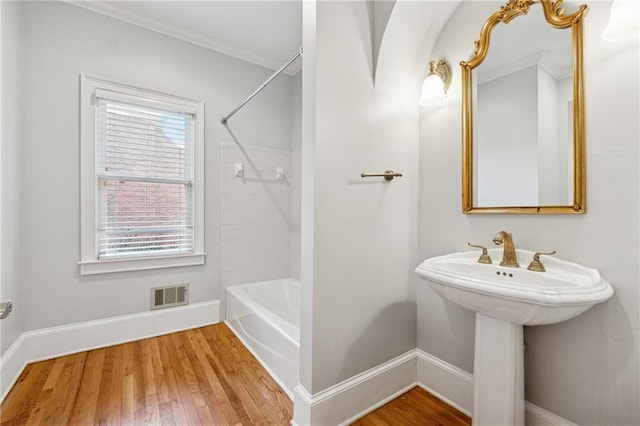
(203, 376)
(416, 407)
(200, 376)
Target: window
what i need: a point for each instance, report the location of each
(142, 178)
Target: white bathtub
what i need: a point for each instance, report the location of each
(266, 318)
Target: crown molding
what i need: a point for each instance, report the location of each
(111, 10)
(535, 59)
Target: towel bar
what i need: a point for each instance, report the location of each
(387, 175)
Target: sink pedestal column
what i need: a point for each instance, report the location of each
(498, 373)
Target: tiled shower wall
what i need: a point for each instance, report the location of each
(258, 216)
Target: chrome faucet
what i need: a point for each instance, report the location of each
(509, 254)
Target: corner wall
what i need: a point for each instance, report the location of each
(359, 236)
(361, 309)
(11, 183)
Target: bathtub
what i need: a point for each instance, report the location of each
(266, 318)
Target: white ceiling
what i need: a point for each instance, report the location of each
(265, 32)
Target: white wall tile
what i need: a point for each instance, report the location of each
(256, 215)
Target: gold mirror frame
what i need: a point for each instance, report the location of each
(554, 15)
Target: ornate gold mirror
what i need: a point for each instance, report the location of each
(523, 112)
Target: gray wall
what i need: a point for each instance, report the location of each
(359, 235)
(296, 172)
(61, 41)
(11, 107)
(586, 369)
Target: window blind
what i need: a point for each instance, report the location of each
(144, 159)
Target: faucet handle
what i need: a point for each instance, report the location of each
(535, 264)
(484, 257)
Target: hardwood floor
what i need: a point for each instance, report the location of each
(416, 407)
(203, 376)
(200, 376)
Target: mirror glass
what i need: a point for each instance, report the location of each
(520, 131)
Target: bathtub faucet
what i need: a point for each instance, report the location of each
(509, 258)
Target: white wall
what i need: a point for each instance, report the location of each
(565, 132)
(507, 160)
(307, 195)
(10, 279)
(295, 174)
(60, 42)
(586, 369)
(260, 228)
(359, 235)
(550, 150)
(256, 215)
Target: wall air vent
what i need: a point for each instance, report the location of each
(167, 297)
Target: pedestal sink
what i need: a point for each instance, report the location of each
(504, 300)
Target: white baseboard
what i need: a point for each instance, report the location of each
(338, 405)
(356, 397)
(38, 345)
(455, 387)
(353, 398)
(12, 363)
(536, 416)
(451, 384)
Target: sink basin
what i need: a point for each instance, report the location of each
(516, 295)
(505, 300)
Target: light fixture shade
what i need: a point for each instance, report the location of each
(432, 92)
(623, 20)
(436, 84)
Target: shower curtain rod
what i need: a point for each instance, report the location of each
(282, 68)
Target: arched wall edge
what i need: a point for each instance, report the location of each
(408, 40)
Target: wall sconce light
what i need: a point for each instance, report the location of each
(436, 84)
(623, 20)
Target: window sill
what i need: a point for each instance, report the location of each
(93, 267)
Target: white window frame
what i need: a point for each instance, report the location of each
(89, 262)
